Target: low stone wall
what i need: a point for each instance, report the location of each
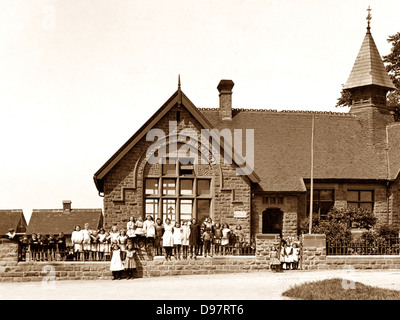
(313, 258)
(363, 262)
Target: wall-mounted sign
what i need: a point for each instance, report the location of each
(240, 214)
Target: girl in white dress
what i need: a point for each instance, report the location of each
(139, 232)
(130, 229)
(122, 242)
(289, 256)
(178, 233)
(185, 239)
(149, 228)
(296, 255)
(168, 239)
(77, 240)
(102, 243)
(86, 241)
(225, 238)
(116, 265)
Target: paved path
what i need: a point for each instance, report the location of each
(245, 286)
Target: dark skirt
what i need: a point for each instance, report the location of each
(194, 238)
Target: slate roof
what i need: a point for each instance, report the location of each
(368, 69)
(12, 219)
(54, 221)
(283, 146)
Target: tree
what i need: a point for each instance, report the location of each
(392, 65)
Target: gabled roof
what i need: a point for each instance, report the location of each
(54, 221)
(177, 98)
(12, 219)
(368, 69)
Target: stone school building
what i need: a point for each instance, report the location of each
(259, 177)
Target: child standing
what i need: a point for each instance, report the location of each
(149, 228)
(273, 260)
(51, 245)
(178, 232)
(34, 247)
(86, 241)
(217, 238)
(296, 255)
(77, 240)
(116, 266)
(289, 256)
(139, 232)
(168, 239)
(185, 239)
(94, 241)
(102, 243)
(130, 263)
(158, 238)
(207, 238)
(130, 230)
(225, 238)
(61, 246)
(122, 242)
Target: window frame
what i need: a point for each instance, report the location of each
(177, 177)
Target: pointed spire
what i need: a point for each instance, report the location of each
(179, 81)
(368, 69)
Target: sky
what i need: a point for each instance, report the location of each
(78, 78)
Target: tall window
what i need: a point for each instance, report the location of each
(323, 201)
(178, 194)
(361, 199)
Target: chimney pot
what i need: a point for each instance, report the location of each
(67, 205)
(225, 99)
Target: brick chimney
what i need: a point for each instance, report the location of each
(225, 99)
(67, 205)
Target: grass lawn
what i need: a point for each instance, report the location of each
(333, 289)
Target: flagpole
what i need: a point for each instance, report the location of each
(312, 175)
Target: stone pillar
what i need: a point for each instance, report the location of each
(264, 242)
(8, 253)
(314, 251)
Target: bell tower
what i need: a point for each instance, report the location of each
(369, 81)
(368, 85)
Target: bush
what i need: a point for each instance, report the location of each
(340, 221)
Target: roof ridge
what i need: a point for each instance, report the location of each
(282, 111)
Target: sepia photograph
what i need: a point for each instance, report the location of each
(199, 158)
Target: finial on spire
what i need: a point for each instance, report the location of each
(369, 17)
(179, 91)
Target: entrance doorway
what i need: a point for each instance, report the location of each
(272, 221)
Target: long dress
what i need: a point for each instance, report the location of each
(194, 237)
(168, 238)
(116, 262)
(130, 262)
(185, 235)
(159, 234)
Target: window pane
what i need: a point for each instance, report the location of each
(280, 200)
(169, 209)
(352, 195)
(151, 186)
(169, 187)
(203, 209)
(324, 208)
(186, 209)
(326, 195)
(169, 169)
(272, 200)
(152, 207)
(353, 204)
(366, 196)
(203, 187)
(186, 187)
(368, 206)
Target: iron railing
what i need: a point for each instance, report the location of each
(380, 246)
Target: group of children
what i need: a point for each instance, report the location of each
(286, 255)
